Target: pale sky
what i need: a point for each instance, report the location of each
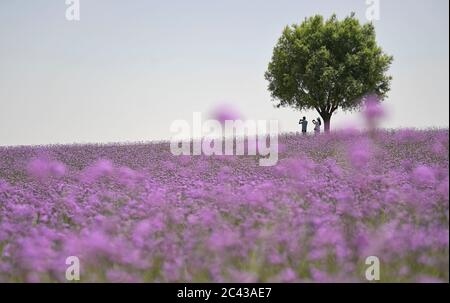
(127, 69)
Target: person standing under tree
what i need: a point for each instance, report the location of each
(304, 124)
(317, 123)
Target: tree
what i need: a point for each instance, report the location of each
(326, 65)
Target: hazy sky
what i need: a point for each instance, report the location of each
(127, 69)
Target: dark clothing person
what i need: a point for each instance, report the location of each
(304, 124)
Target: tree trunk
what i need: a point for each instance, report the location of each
(326, 124)
(326, 117)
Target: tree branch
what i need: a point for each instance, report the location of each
(334, 108)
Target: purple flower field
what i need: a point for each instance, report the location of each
(136, 213)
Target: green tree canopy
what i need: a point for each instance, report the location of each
(327, 64)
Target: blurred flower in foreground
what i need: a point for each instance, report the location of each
(287, 275)
(423, 175)
(42, 168)
(359, 154)
(99, 169)
(225, 112)
(373, 112)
